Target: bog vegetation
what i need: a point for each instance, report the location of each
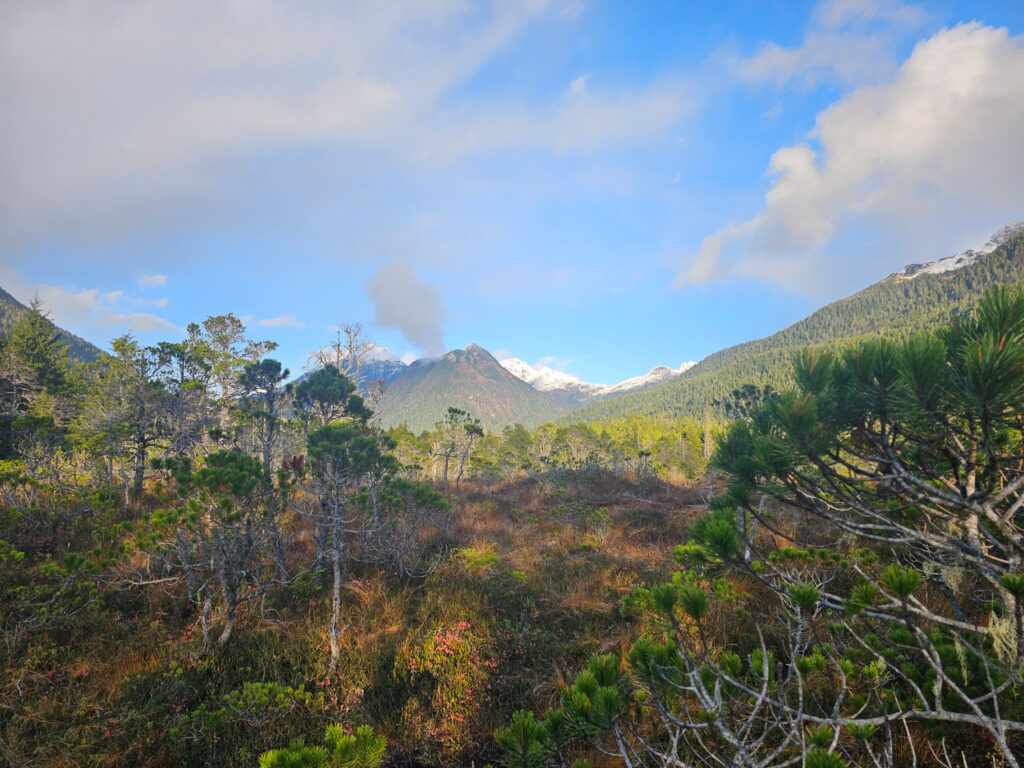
(204, 565)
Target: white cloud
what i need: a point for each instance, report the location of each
(833, 14)
(844, 58)
(147, 281)
(141, 322)
(282, 321)
(555, 362)
(578, 87)
(136, 104)
(403, 300)
(581, 120)
(936, 149)
(82, 310)
(117, 114)
(163, 301)
(851, 42)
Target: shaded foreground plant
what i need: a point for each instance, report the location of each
(364, 749)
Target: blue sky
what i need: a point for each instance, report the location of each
(600, 186)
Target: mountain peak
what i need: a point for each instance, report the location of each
(1001, 236)
(655, 376)
(964, 258)
(467, 378)
(471, 352)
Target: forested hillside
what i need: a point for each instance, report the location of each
(895, 307)
(469, 378)
(11, 311)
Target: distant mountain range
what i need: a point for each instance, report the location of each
(568, 392)
(11, 311)
(510, 392)
(419, 394)
(918, 297)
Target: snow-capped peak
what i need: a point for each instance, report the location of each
(655, 376)
(964, 258)
(377, 352)
(543, 377)
(548, 379)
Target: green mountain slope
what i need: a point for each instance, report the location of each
(895, 307)
(78, 348)
(470, 379)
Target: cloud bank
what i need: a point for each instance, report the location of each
(118, 114)
(939, 141)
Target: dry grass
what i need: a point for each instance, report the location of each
(553, 567)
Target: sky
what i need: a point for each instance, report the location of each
(601, 187)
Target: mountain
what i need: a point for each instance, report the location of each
(382, 371)
(399, 381)
(568, 392)
(468, 378)
(654, 377)
(919, 297)
(11, 310)
(564, 390)
(377, 371)
(962, 259)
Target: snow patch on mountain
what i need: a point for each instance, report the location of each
(964, 258)
(658, 375)
(548, 379)
(541, 376)
(377, 352)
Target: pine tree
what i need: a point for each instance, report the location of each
(37, 342)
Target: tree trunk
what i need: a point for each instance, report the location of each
(268, 443)
(190, 574)
(279, 554)
(335, 594)
(139, 473)
(462, 468)
(229, 596)
(320, 556)
(204, 618)
(229, 618)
